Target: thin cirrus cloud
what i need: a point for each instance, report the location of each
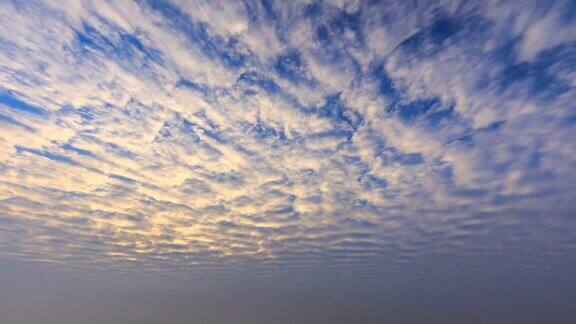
(346, 135)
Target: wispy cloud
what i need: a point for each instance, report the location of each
(207, 132)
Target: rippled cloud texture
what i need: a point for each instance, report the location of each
(394, 139)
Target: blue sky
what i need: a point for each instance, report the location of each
(360, 141)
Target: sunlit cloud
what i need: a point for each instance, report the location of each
(207, 132)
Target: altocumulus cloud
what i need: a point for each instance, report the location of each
(348, 135)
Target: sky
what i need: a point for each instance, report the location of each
(338, 161)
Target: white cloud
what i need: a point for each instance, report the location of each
(258, 167)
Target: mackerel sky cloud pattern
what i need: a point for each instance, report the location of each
(393, 139)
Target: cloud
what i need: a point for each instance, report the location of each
(212, 132)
